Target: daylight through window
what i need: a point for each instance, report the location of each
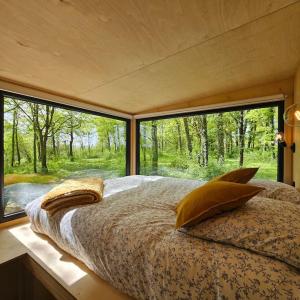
(45, 144)
(205, 145)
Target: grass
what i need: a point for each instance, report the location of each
(170, 164)
(28, 178)
(174, 166)
(62, 168)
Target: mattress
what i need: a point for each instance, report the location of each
(129, 239)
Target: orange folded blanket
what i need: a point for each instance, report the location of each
(73, 193)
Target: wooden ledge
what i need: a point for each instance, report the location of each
(48, 261)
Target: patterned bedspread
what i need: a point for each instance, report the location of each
(129, 240)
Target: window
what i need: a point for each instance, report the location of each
(205, 144)
(45, 143)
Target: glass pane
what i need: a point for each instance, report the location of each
(44, 145)
(204, 146)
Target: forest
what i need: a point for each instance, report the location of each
(204, 146)
(44, 144)
(42, 139)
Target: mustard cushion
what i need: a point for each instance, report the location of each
(242, 175)
(211, 199)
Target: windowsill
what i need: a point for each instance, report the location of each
(13, 222)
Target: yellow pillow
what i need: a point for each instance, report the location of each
(211, 199)
(242, 175)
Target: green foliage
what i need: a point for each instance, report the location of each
(231, 139)
(72, 141)
(213, 169)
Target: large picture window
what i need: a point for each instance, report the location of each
(45, 143)
(206, 144)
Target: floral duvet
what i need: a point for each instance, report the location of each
(129, 239)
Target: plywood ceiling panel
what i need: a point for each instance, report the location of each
(137, 55)
(263, 51)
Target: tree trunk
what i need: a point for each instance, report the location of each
(220, 138)
(71, 154)
(118, 137)
(204, 140)
(16, 117)
(197, 127)
(12, 163)
(154, 147)
(38, 143)
(57, 146)
(250, 135)
(179, 135)
(237, 135)
(272, 132)
(44, 156)
(34, 151)
(34, 120)
(115, 142)
(53, 143)
(108, 141)
(254, 135)
(43, 135)
(188, 137)
(89, 144)
(17, 145)
(241, 138)
(143, 145)
(162, 138)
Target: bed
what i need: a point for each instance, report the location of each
(129, 240)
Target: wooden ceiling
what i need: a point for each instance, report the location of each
(138, 55)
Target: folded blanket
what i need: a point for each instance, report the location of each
(73, 193)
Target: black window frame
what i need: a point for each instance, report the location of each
(276, 103)
(3, 94)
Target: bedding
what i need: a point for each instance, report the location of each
(266, 226)
(129, 239)
(277, 190)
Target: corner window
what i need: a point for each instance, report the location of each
(45, 143)
(206, 144)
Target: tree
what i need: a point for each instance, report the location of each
(200, 126)
(271, 126)
(242, 130)
(73, 122)
(34, 108)
(252, 134)
(188, 136)
(43, 128)
(154, 147)
(144, 144)
(220, 138)
(204, 139)
(42, 119)
(13, 140)
(179, 135)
